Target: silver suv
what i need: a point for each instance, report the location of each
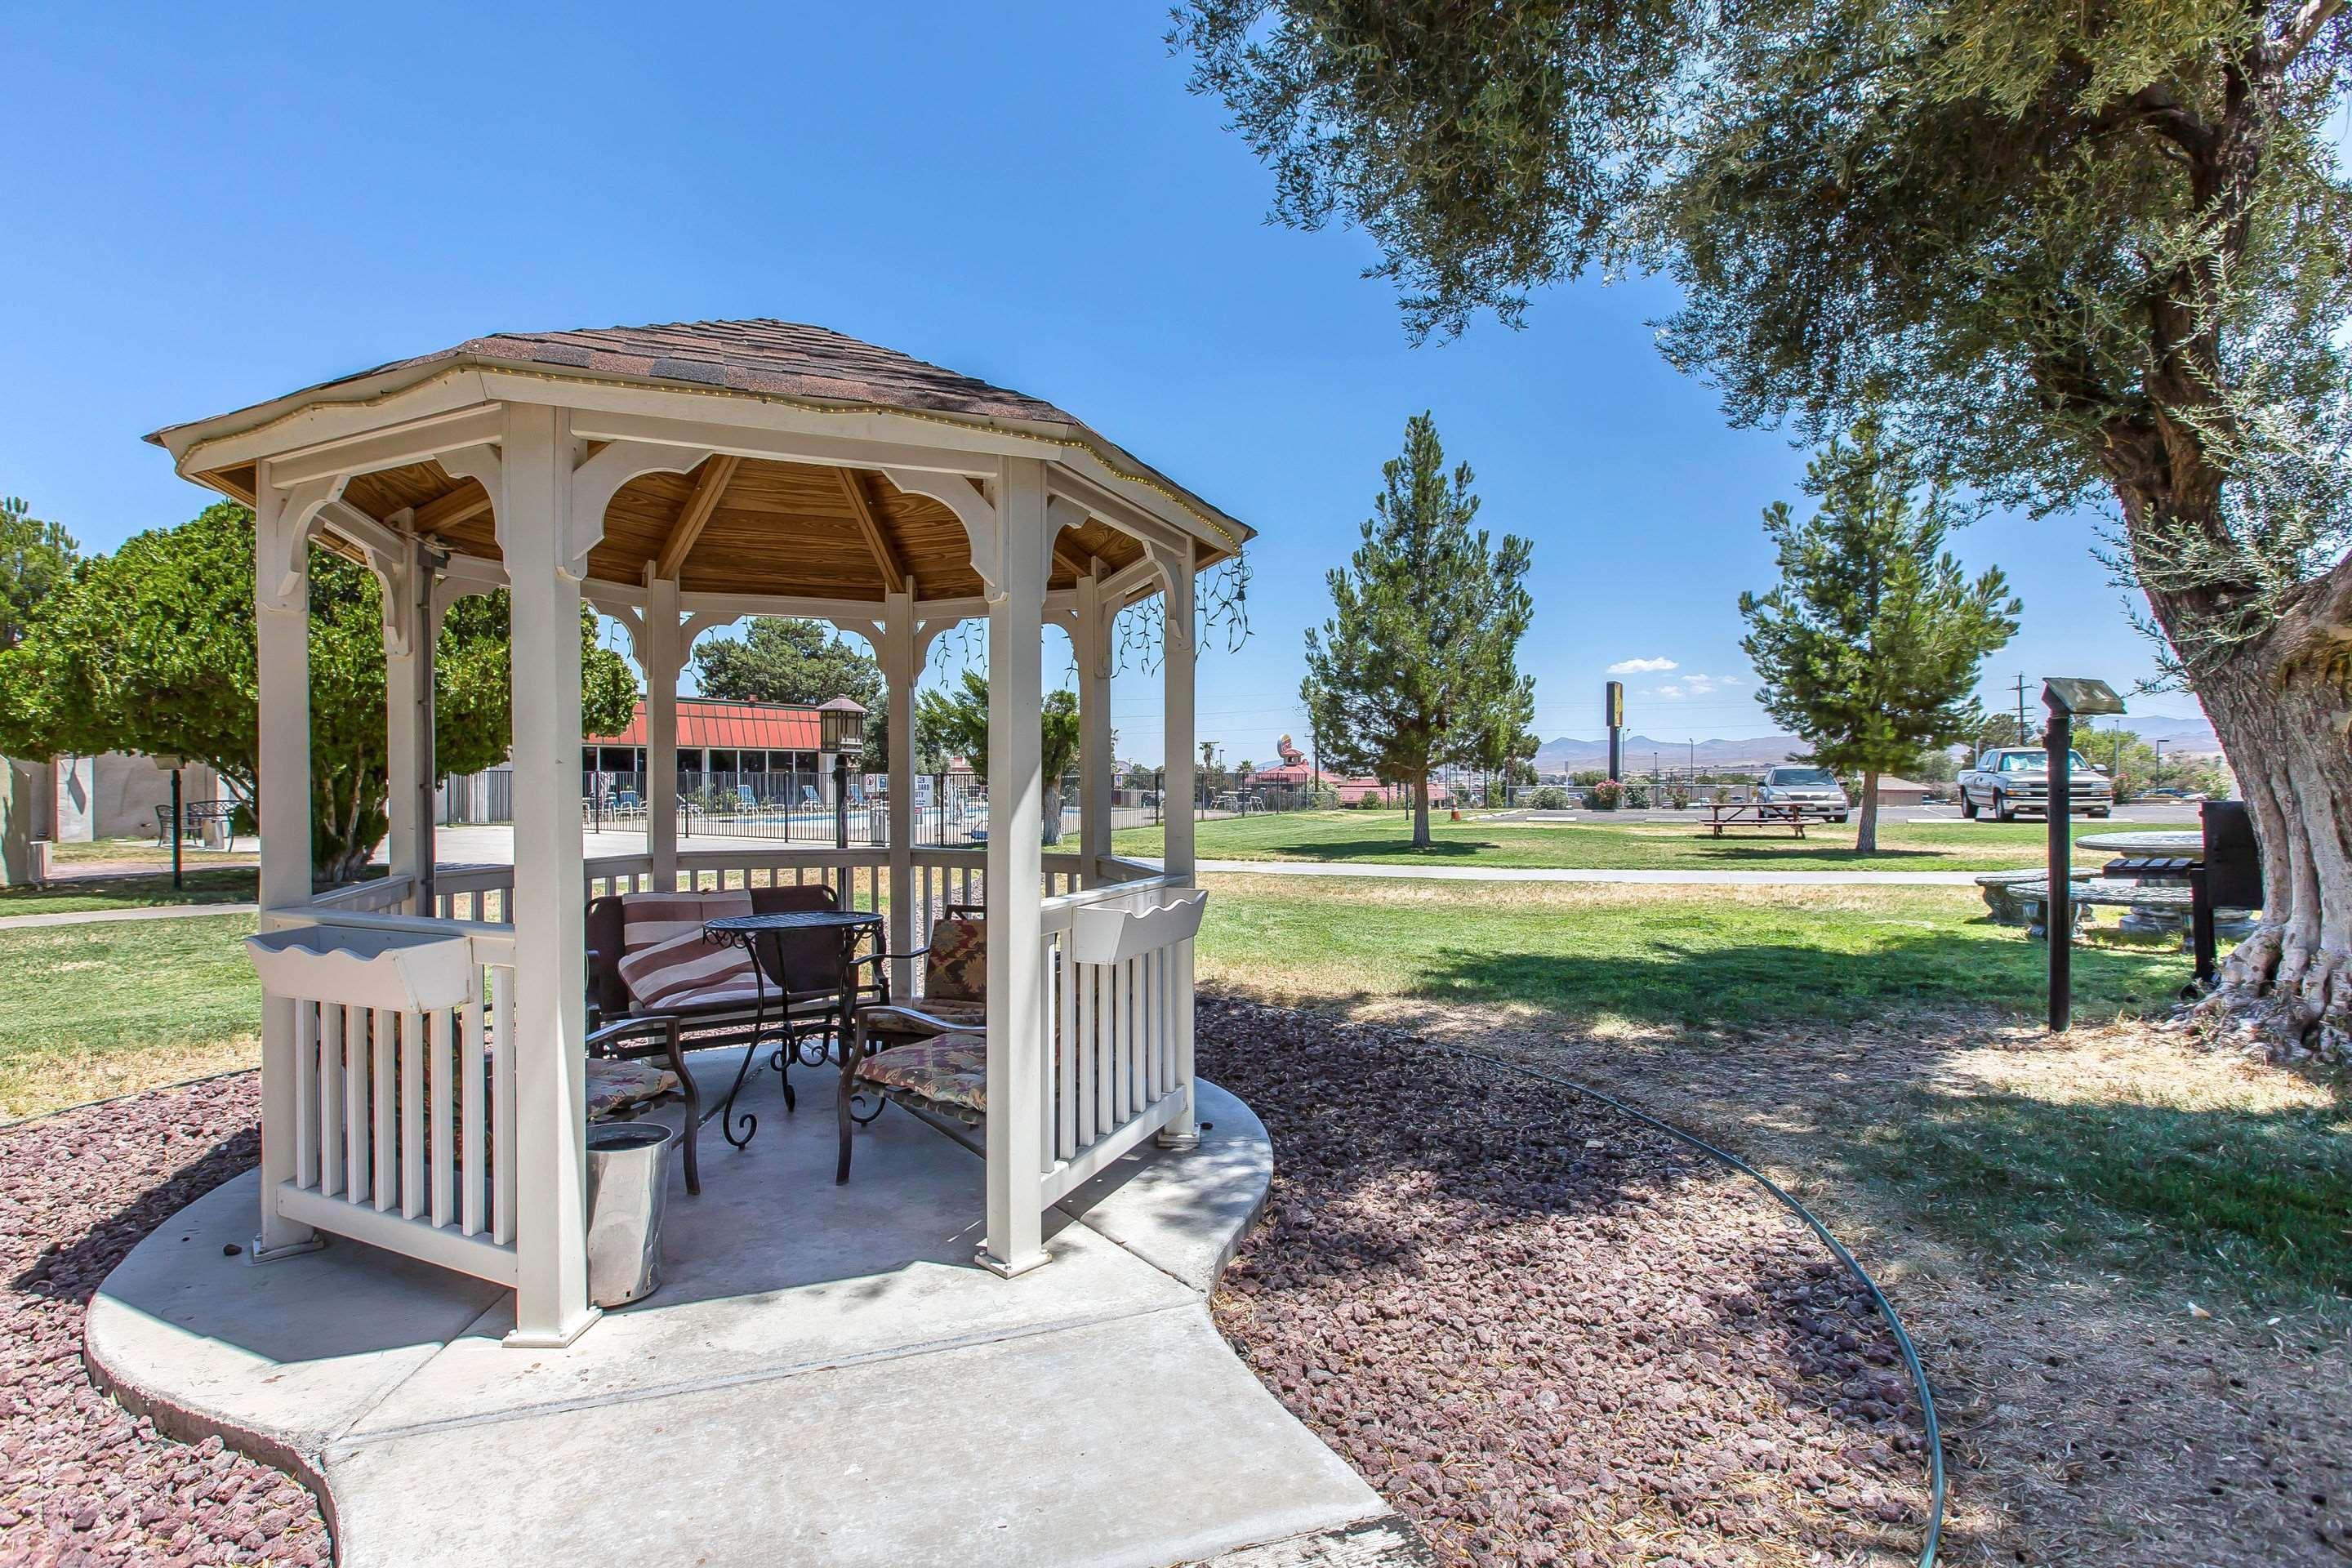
(1814, 792)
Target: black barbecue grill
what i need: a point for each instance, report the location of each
(2227, 876)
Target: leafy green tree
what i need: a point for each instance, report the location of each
(957, 719)
(2137, 766)
(1417, 668)
(1870, 645)
(2073, 251)
(151, 649)
(35, 557)
(2000, 730)
(784, 658)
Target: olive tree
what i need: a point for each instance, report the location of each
(2077, 253)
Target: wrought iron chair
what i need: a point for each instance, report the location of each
(928, 1054)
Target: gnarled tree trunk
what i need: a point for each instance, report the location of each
(2282, 709)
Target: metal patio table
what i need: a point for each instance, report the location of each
(748, 932)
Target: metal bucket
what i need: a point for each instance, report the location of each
(628, 1185)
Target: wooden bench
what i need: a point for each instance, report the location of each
(1754, 813)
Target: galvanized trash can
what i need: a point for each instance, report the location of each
(628, 1185)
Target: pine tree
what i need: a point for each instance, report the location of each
(1870, 647)
(1417, 668)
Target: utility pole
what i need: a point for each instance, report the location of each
(2024, 734)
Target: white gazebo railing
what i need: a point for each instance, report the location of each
(402, 1109)
(1116, 1030)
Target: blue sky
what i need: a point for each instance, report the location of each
(210, 206)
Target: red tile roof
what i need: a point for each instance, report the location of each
(769, 726)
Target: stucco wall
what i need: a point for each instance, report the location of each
(114, 794)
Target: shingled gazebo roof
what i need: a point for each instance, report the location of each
(749, 525)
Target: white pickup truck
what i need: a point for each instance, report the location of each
(2011, 779)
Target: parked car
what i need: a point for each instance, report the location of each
(1814, 792)
(2011, 779)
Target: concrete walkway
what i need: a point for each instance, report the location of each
(1545, 874)
(824, 1376)
(103, 917)
(495, 845)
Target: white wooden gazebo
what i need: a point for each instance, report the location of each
(677, 478)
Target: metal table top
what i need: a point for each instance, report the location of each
(790, 920)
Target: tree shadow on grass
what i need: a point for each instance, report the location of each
(2255, 1199)
(1749, 984)
(1387, 849)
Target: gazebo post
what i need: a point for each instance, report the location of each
(282, 653)
(1176, 661)
(1015, 869)
(1091, 640)
(663, 656)
(409, 628)
(532, 517)
(896, 656)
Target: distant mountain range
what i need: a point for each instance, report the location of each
(1571, 753)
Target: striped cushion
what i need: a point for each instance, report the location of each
(664, 955)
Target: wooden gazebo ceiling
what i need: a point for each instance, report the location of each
(752, 527)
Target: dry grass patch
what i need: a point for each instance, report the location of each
(35, 1082)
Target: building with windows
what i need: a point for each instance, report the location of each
(767, 747)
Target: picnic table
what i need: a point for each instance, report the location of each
(1723, 814)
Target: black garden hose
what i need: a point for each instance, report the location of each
(1878, 1297)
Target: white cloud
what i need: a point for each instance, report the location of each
(1695, 684)
(1643, 666)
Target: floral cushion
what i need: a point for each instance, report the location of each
(951, 1069)
(956, 969)
(617, 1086)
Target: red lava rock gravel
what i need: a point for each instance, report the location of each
(1547, 1333)
(82, 1481)
(1544, 1332)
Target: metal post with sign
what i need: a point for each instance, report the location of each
(173, 765)
(1613, 715)
(2065, 697)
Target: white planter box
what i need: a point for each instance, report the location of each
(1114, 936)
(410, 972)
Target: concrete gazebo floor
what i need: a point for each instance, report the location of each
(823, 1375)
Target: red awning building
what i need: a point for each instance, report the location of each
(722, 739)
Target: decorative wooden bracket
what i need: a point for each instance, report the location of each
(1170, 563)
(282, 542)
(595, 482)
(971, 508)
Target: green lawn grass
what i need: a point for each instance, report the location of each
(92, 1010)
(1683, 957)
(68, 894)
(1385, 837)
(2250, 1200)
(2180, 1169)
